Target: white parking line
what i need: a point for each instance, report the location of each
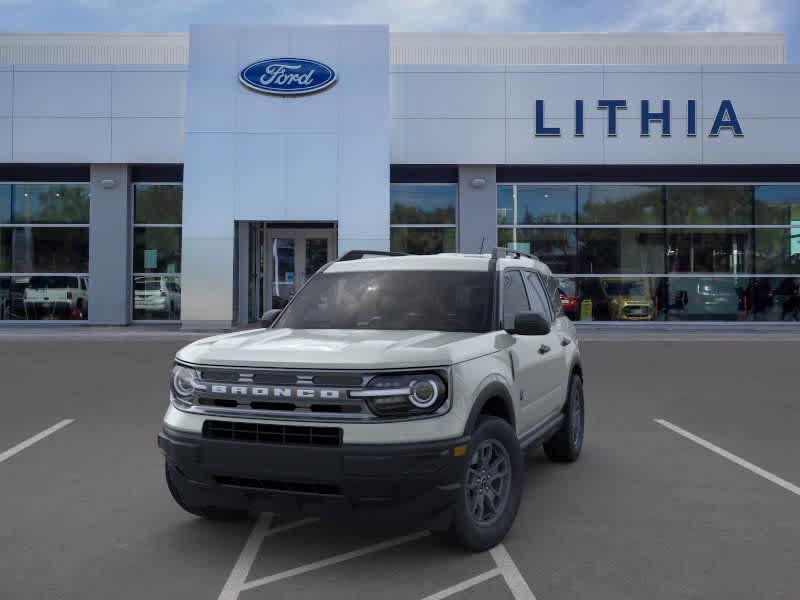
(4, 456)
(241, 569)
(334, 560)
(508, 569)
(464, 585)
(732, 457)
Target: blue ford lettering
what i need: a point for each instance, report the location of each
(287, 76)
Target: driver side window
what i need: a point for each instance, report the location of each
(515, 298)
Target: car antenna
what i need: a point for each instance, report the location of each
(483, 241)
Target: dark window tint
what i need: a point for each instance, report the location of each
(621, 204)
(44, 250)
(157, 249)
(423, 204)
(778, 250)
(557, 248)
(423, 240)
(45, 203)
(393, 300)
(515, 299)
(621, 250)
(553, 294)
(709, 205)
(777, 205)
(158, 204)
(710, 251)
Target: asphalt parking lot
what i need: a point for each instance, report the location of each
(702, 503)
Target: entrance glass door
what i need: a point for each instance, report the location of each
(292, 256)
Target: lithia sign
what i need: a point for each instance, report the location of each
(726, 119)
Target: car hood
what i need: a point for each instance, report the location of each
(633, 299)
(337, 348)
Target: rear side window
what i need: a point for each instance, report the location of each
(539, 302)
(515, 299)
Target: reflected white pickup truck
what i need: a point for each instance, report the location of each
(400, 387)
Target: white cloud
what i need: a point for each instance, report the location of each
(416, 15)
(705, 15)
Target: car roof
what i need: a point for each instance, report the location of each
(434, 262)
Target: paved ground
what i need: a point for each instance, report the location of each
(645, 513)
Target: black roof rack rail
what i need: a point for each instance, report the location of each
(511, 253)
(357, 254)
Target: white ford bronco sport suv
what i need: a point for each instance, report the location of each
(389, 386)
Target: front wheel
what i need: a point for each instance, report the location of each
(566, 443)
(491, 487)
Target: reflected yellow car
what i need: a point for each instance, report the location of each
(628, 299)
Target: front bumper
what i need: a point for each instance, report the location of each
(391, 481)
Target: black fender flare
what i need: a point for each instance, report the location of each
(494, 389)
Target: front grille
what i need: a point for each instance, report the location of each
(284, 435)
(297, 487)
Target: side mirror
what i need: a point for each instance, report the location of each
(269, 317)
(530, 323)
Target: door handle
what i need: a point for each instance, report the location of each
(544, 349)
(566, 341)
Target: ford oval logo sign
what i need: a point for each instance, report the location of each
(287, 76)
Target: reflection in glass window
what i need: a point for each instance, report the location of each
(709, 205)
(535, 204)
(556, 247)
(157, 250)
(710, 251)
(44, 204)
(620, 204)
(777, 205)
(778, 250)
(157, 214)
(776, 299)
(416, 204)
(44, 249)
(157, 204)
(423, 240)
(433, 205)
(621, 250)
(515, 298)
(156, 297)
(708, 299)
(619, 299)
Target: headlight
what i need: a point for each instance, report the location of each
(183, 384)
(404, 394)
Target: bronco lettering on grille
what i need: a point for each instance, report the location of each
(276, 392)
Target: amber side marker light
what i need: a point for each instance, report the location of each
(460, 450)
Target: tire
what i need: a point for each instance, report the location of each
(566, 443)
(212, 513)
(471, 527)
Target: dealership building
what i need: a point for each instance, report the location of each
(200, 178)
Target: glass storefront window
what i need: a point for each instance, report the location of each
(620, 204)
(621, 251)
(556, 247)
(432, 205)
(158, 204)
(157, 213)
(36, 204)
(156, 297)
(708, 299)
(710, 251)
(423, 204)
(44, 251)
(535, 204)
(157, 250)
(709, 205)
(776, 299)
(778, 250)
(617, 299)
(777, 205)
(423, 240)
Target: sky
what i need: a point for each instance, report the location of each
(414, 15)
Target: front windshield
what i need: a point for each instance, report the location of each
(427, 300)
